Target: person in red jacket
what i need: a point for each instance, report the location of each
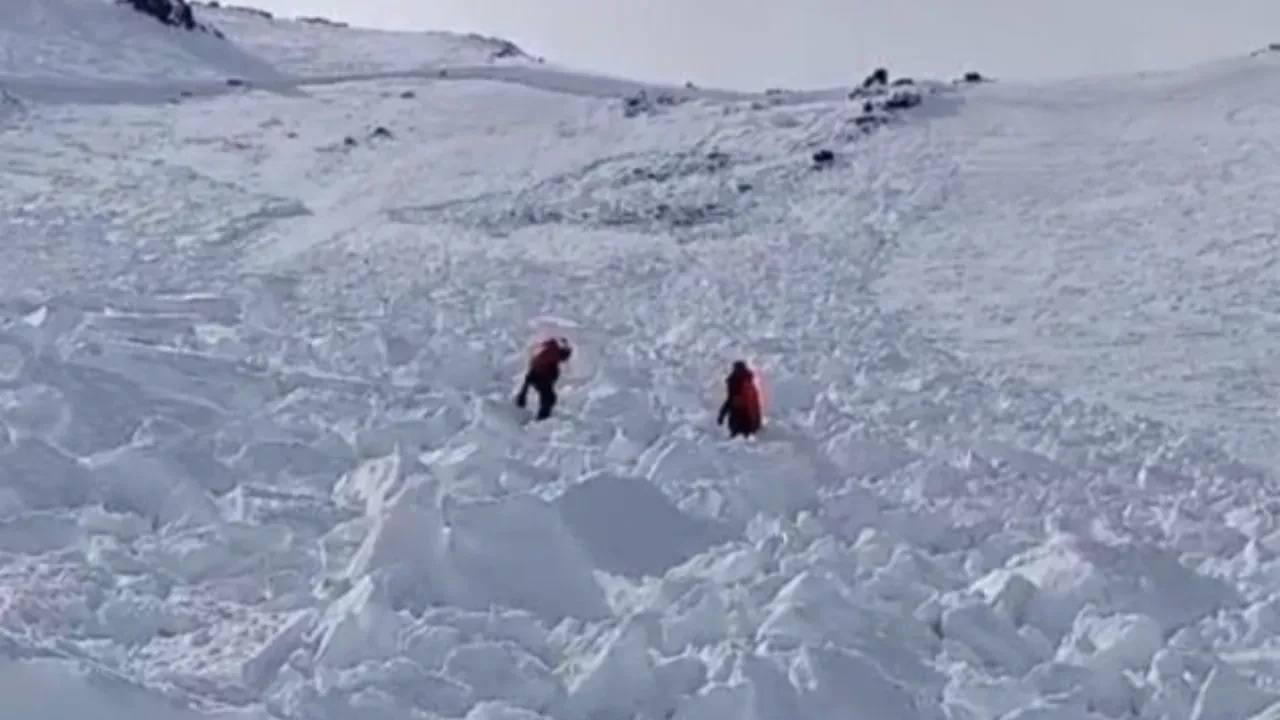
(543, 374)
(742, 402)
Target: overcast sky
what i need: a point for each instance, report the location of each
(752, 44)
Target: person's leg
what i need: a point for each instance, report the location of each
(735, 424)
(522, 397)
(546, 400)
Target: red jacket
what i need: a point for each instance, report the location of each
(544, 366)
(743, 397)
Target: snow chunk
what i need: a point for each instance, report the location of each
(773, 697)
(717, 700)
(809, 608)
(631, 528)
(359, 626)
(616, 679)
(862, 457)
(699, 617)
(1226, 695)
(1114, 643)
(848, 684)
(1010, 594)
(260, 669)
(384, 685)
(41, 476)
(135, 480)
(430, 645)
(991, 636)
(1071, 571)
(516, 551)
(369, 485)
(503, 671)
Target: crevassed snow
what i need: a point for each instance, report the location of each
(259, 458)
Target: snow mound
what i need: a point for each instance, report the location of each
(630, 528)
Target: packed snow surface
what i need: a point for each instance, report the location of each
(259, 339)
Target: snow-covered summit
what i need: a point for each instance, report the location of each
(265, 298)
(118, 41)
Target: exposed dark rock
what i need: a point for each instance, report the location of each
(823, 157)
(642, 103)
(380, 132)
(502, 48)
(974, 77)
(507, 49)
(879, 76)
(718, 160)
(903, 100)
(174, 13)
(317, 20)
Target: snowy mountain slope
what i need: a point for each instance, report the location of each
(102, 51)
(315, 48)
(260, 459)
(1118, 241)
(99, 40)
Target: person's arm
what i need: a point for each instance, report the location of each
(724, 407)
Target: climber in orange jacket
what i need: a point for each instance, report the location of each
(742, 402)
(543, 374)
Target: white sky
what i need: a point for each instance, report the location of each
(753, 44)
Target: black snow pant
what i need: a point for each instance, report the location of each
(546, 395)
(741, 424)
